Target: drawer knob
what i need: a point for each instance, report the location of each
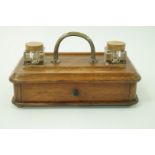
(75, 92)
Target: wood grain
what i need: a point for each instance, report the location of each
(53, 84)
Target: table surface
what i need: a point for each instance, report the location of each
(140, 46)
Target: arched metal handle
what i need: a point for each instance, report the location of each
(78, 34)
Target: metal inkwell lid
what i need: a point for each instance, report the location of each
(34, 46)
(115, 46)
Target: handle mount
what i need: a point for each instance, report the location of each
(78, 34)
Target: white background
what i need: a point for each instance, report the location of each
(140, 43)
(58, 142)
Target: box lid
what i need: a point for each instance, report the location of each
(74, 67)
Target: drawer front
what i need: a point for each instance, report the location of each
(74, 92)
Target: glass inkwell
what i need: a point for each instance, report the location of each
(115, 52)
(34, 53)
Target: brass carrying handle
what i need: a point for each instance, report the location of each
(78, 34)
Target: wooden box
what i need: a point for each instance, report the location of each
(74, 81)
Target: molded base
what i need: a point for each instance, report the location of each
(56, 104)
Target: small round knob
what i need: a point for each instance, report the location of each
(75, 92)
(34, 46)
(115, 46)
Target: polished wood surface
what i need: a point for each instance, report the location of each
(53, 84)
